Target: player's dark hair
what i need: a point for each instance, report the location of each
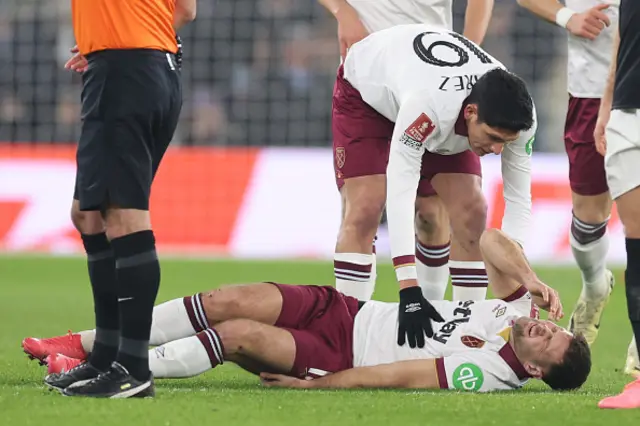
(503, 101)
(573, 370)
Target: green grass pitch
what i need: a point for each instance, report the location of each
(47, 296)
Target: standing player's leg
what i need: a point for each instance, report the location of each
(140, 114)
(591, 210)
(90, 188)
(432, 243)
(623, 157)
(361, 151)
(621, 165)
(457, 180)
(101, 266)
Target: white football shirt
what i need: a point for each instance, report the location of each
(418, 76)
(381, 14)
(589, 60)
(471, 348)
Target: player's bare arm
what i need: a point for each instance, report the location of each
(414, 374)
(350, 29)
(607, 100)
(185, 12)
(476, 19)
(508, 271)
(587, 24)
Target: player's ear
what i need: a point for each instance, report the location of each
(470, 111)
(534, 370)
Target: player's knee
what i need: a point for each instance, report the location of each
(121, 222)
(362, 218)
(431, 215)
(87, 223)
(237, 335)
(221, 304)
(471, 221)
(592, 209)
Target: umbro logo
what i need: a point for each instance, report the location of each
(412, 307)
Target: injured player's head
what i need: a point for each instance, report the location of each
(497, 110)
(552, 354)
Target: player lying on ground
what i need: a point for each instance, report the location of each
(289, 333)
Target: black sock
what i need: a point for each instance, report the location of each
(632, 285)
(138, 282)
(101, 263)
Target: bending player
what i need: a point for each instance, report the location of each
(310, 332)
(356, 19)
(439, 99)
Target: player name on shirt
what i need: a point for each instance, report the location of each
(461, 315)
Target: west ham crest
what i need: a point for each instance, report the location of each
(472, 342)
(341, 156)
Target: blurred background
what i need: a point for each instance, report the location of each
(257, 72)
(250, 172)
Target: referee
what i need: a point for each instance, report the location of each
(617, 136)
(128, 54)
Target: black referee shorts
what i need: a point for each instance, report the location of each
(131, 102)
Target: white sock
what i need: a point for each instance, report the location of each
(172, 320)
(591, 259)
(374, 273)
(353, 274)
(186, 357)
(87, 338)
(432, 264)
(469, 280)
(176, 319)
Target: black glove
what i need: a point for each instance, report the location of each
(414, 317)
(179, 53)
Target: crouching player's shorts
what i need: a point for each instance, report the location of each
(362, 137)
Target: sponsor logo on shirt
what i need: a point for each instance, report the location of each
(461, 315)
(468, 377)
(410, 142)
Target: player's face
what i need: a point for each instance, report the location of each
(539, 344)
(484, 139)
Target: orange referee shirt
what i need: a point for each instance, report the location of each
(124, 24)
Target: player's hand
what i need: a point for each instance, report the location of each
(414, 317)
(78, 62)
(546, 298)
(350, 29)
(599, 135)
(589, 23)
(272, 380)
